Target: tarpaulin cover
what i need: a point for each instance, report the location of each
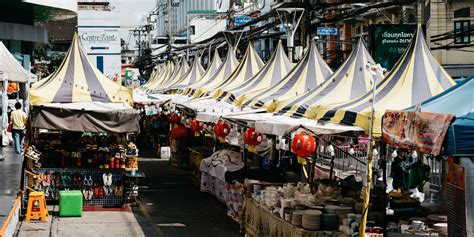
(86, 117)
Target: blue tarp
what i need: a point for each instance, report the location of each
(457, 100)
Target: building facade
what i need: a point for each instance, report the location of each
(450, 25)
(18, 29)
(98, 27)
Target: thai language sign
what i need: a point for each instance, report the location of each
(416, 130)
(388, 42)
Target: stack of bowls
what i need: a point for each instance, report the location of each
(311, 219)
(297, 218)
(331, 209)
(329, 222)
(342, 212)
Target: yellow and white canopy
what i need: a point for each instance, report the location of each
(416, 77)
(154, 82)
(349, 82)
(179, 71)
(78, 80)
(191, 76)
(308, 74)
(250, 65)
(211, 70)
(277, 67)
(229, 65)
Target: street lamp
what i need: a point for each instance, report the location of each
(290, 18)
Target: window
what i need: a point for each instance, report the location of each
(192, 30)
(462, 32)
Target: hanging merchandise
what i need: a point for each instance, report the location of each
(252, 138)
(174, 119)
(178, 132)
(221, 130)
(303, 145)
(196, 126)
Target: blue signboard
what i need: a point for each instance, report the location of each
(240, 20)
(326, 31)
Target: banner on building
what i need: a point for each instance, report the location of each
(388, 42)
(415, 130)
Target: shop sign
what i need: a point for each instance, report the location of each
(240, 20)
(388, 42)
(415, 130)
(152, 109)
(326, 31)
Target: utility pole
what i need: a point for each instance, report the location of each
(170, 33)
(230, 15)
(148, 30)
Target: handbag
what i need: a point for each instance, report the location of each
(10, 127)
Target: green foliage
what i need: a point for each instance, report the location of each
(144, 63)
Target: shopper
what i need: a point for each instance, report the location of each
(18, 120)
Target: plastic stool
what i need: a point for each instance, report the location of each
(36, 206)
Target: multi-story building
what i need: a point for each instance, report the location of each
(17, 24)
(449, 25)
(98, 26)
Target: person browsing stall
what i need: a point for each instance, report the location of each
(18, 119)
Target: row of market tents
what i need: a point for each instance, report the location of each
(309, 90)
(275, 96)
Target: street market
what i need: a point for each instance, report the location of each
(242, 132)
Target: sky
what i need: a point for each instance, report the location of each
(131, 12)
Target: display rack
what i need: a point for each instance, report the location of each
(106, 201)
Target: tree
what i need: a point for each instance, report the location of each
(144, 63)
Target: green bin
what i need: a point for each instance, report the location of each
(70, 203)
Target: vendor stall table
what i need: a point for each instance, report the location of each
(257, 220)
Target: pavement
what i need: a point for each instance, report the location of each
(177, 207)
(91, 224)
(170, 206)
(10, 172)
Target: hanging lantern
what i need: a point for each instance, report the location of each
(178, 132)
(252, 138)
(196, 127)
(303, 145)
(221, 129)
(174, 119)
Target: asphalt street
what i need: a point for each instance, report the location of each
(176, 207)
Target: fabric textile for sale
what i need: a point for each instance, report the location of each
(220, 162)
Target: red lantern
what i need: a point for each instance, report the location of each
(178, 132)
(252, 138)
(196, 126)
(303, 145)
(221, 129)
(175, 119)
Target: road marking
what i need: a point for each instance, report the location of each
(171, 225)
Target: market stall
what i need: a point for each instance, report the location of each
(11, 75)
(81, 134)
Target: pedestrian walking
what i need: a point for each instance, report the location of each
(18, 121)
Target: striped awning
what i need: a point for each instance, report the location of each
(190, 77)
(78, 80)
(416, 77)
(226, 68)
(349, 82)
(211, 70)
(308, 74)
(277, 67)
(250, 65)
